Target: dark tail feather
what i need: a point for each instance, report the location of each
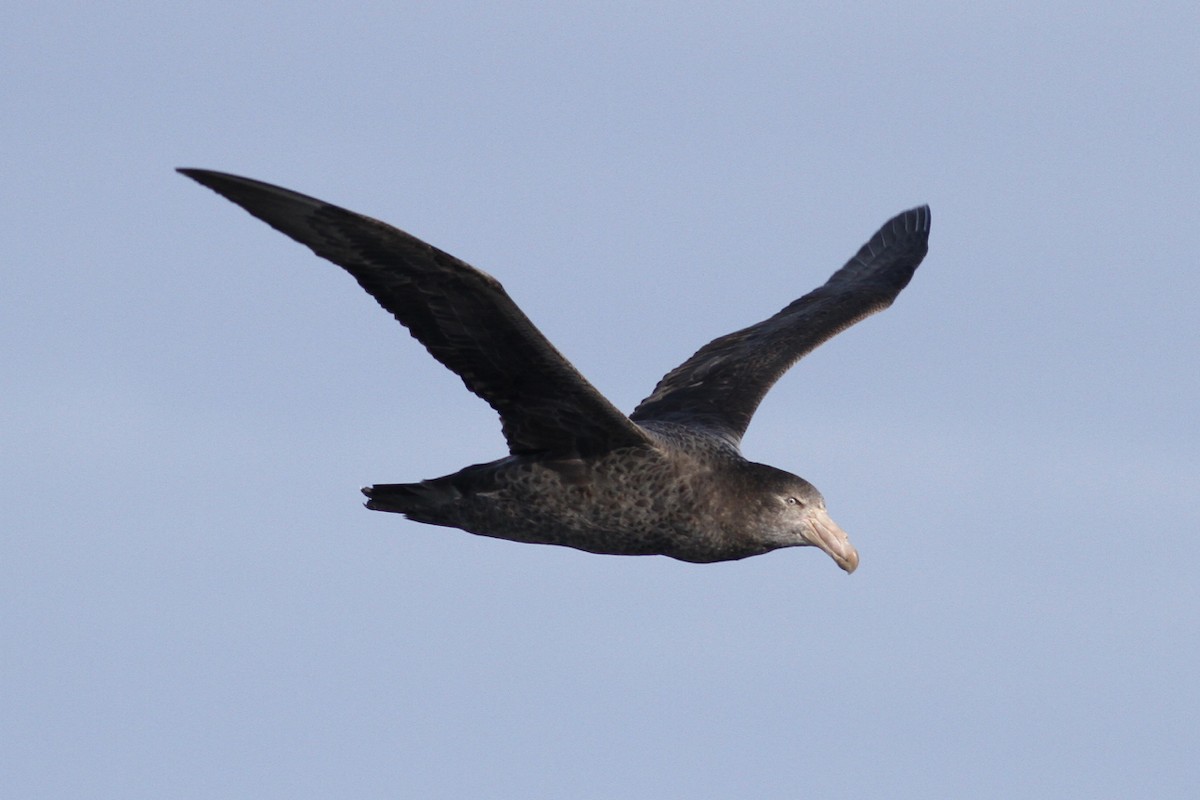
(420, 501)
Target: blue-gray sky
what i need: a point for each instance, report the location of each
(195, 605)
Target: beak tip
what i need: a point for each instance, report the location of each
(824, 533)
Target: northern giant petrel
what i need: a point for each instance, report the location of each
(670, 478)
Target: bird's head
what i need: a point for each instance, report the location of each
(790, 512)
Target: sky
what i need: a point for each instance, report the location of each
(194, 604)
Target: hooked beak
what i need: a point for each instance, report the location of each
(825, 534)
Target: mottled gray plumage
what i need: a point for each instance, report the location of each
(667, 480)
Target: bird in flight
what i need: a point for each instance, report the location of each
(669, 479)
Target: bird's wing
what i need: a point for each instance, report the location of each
(720, 387)
(462, 316)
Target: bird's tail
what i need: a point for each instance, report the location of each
(420, 501)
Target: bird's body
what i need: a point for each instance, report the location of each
(682, 496)
(668, 479)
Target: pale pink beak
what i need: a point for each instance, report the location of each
(826, 535)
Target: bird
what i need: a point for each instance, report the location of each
(668, 479)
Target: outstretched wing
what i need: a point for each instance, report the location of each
(462, 316)
(720, 387)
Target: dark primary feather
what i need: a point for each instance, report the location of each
(720, 386)
(462, 316)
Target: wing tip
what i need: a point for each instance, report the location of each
(916, 219)
(912, 224)
(220, 182)
(203, 176)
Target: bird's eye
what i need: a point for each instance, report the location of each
(792, 501)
